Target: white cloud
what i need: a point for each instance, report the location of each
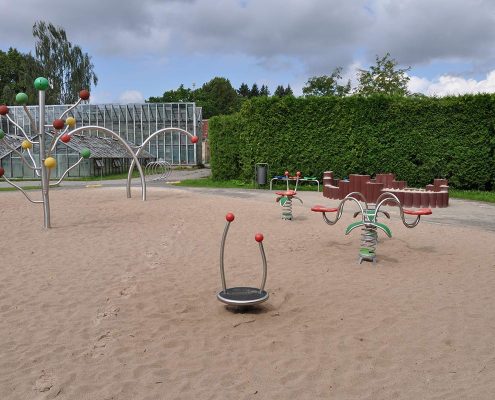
(447, 85)
(131, 96)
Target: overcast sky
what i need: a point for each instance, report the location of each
(143, 48)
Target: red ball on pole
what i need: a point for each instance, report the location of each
(258, 237)
(298, 173)
(2, 171)
(230, 217)
(58, 123)
(84, 94)
(286, 173)
(65, 138)
(4, 110)
(194, 139)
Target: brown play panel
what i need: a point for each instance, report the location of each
(433, 195)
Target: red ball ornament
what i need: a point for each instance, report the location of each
(258, 237)
(58, 123)
(2, 171)
(65, 138)
(230, 217)
(84, 94)
(4, 110)
(286, 173)
(194, 139)
(298, 173)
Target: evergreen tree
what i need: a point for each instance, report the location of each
(254, 92)
(288, 91)
(264, 91)
(279, 91)
(243, 90)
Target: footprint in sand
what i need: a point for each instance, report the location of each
(47, 386)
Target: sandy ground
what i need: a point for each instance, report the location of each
(118, 301)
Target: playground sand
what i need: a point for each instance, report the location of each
(118, 301)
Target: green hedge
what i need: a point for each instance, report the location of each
(417, 138)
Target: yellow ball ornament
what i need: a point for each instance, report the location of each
(71, 121)
(26, 144)
(50, 163)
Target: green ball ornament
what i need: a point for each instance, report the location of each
(2, 134)
(85, 153)
(21, 98)
(41, 83)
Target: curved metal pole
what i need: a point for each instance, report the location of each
(222, 248)
(22, 130)
(341, 209)
(128, 148)
(263, 258)
(55, 137)
(36, 170)
(66, 172)
(141, 148)
(393, 198)
(22, 190)
(71, 108)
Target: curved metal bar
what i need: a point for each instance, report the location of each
(66, 172)
(129, 150)
(263, 258)
(71, 108)
(392, 197)
(35, 168)
(22, 130)
(22, 190)
(36, 171)
(222, 250)
(55, 138)
(341, 208)
(31, 119)
(141, 148)
(359, 194)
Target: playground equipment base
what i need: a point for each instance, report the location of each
(242, 296)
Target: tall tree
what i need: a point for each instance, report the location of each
(288, 91)
(243, 90)
(384, 77)
(327, 85)
(65, 65)
(264, 91)
(217, 97)
(279, 91)
(254, 92)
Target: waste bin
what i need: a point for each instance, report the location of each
(261, 174)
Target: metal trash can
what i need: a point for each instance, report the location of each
(261, 175)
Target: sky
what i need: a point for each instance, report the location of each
(144, 48)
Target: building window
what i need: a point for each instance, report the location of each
(99, 163)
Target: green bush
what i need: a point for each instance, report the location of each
(416, 138)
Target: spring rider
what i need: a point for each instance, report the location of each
(369, 220)
(285, 198)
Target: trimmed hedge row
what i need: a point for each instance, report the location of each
(415, 138)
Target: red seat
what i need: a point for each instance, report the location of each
(323, 209)
(421, 211)
(287, 193)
